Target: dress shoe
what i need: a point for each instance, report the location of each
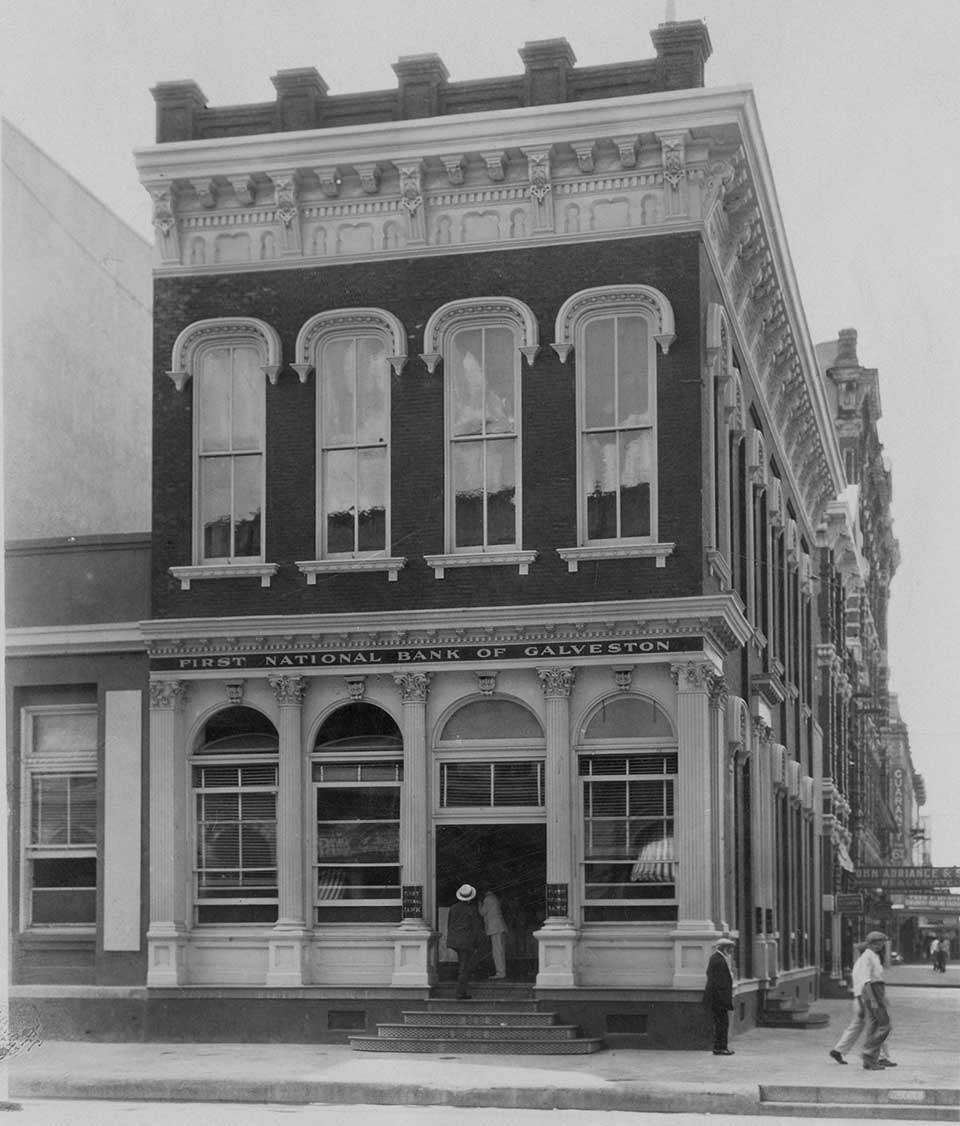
(870, 1065)
(722, 1051)
(887, 1063)
(499, 977)
(835, 1055)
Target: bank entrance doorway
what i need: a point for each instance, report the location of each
(511, 861)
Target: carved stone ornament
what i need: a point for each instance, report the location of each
(235, 691)
(627, 148)
(286, 197)
(585, 156)
(674, 166)
(614, 298)
(163, 204)
(556, 683)
(455, 167)
(333, 321)
(496, 163)
(443, 320)
(221, 331)
(288, 690)
(170, 694)
(356, 687)
(539, 166)
(695, 676)
(206, 192)
(487, 683)
(412, 686)
(762, 732)
(330, 181)
(411, 189)
(623, 677)
(242, 189)
(369, 178)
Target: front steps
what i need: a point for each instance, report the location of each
(494, 1025)
(791, 1014)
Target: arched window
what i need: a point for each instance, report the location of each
(227, 359)
(480, 342)
(627, 761)
(234, 774)
(357, 770)
(491, 754)
(614, 331)
(352, 352)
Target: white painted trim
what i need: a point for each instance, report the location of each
(492, 558)
(187, 575)
(573, 556)
(122, 771)
(392, 564)
(220, 331)
(41, 641)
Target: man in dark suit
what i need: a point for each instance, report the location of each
(718, 994)
(464, 928)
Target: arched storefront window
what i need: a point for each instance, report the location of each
(234, 775)
(356, 771)
(628, 773)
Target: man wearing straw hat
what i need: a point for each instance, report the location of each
(464, 928)
(718, 994)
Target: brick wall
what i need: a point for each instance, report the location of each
(412, 290)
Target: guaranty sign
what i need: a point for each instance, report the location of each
(426, 655)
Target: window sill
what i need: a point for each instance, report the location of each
(573, 556)
(519, 559)
(392, 564)
(187, 575)
(64, 935)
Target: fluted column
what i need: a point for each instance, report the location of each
(761, 813)
(166, 933)
(415, 940)
(287, 943)
(556, 940)
(722, 783)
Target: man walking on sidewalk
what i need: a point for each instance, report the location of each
(863, 968)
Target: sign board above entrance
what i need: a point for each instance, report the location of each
(908, 877)
(427, 654)
(847, 903)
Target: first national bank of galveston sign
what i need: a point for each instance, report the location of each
(618, 648)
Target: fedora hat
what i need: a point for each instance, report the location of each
(724, 942)
(465, 893)
(876, 936)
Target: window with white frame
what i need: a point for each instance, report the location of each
(628, 775)
(353, 404)
(490, 755)
(229, 454)
(229, 360)
(481, 342)
(357, 772)
(614, 331)
(59, 816)
(235, 780)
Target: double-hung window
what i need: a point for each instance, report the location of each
(354, 353)
(59, 816)
(614, 331)
(481, 343)
(229, 360)
(235, 784)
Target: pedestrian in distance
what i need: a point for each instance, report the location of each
(870, 988)
(496, 929)
(858, 1021)
(940, 958)
(464, 928)
(718, 994)
(935, 954)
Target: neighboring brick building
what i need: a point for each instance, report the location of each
(76, 498)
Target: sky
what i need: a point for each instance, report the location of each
(859, 102)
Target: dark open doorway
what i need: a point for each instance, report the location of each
(510, 860)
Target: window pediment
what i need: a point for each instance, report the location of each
(455, 313)
(351, 322)
(607, 299)
(219, 332)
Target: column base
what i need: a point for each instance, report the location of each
(557, 943)
(414, 950)
(166, 955)
(692, 946)
(285, 950)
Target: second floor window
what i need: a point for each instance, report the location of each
(230, 453)
(354, 428)
(483, 373)
(618, 451)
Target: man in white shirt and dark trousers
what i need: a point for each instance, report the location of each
(869, 1008)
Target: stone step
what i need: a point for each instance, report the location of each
(476, 1031)
(450, 1016)
(787, 1018)
(493, 1004)
(504, 1046)
(866, 1111)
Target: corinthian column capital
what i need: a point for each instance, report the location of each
(288, 690)
(168, 694)
(556, 683)
(412, 686)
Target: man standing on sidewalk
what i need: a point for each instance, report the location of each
(718, 994)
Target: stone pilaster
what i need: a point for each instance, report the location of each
(166, 933)
(415, 939)
(557, 939)
(695, 822)
(722, 784)
(762, 834)
(286, 950)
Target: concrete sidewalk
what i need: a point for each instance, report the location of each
(791, 1064)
